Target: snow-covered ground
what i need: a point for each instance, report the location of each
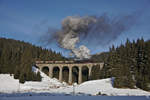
(10, 85)
(46, 84)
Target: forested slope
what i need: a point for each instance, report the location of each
(17, 57)
(128, 63)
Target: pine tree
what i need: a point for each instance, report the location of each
(39, 78)
(22, 78)
(17, 73)
(95, 73)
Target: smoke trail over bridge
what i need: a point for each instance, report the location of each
(99, 30)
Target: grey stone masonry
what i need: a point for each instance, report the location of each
(70, 66)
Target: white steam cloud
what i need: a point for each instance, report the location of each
(98, 30)
(72, 28)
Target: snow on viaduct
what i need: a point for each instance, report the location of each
(70, 65)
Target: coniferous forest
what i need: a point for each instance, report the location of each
(18, 57)
(129, 64)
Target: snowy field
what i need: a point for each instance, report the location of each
(48, 85)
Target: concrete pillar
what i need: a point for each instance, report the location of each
(60, 74)
(101, 65)
(80, 75)
(50, 71)
(90, 69)
(70, 75)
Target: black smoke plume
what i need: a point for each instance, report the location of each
(96, 29)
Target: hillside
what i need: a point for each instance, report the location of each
(129, 63)
(9, 84)
(100, 57)
(104, 86)
(17, 57)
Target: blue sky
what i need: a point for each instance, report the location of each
(28, 19)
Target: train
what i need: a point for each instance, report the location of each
(64, 62)
(53, 62)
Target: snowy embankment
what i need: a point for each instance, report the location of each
(46, 84)
(10, 85)
(104, 86)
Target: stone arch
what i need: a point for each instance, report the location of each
(56, 72)
(75, 74)
(65, 73)
(85, 73)
(45, 69)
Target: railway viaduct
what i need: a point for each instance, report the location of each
(70, 66)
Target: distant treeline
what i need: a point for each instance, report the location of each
(128, 63)
(18, 57)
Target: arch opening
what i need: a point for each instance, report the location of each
(56, 72)
(75, 74)
(85, 73)
(65, 73)
(95, 72)
(45, 69)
